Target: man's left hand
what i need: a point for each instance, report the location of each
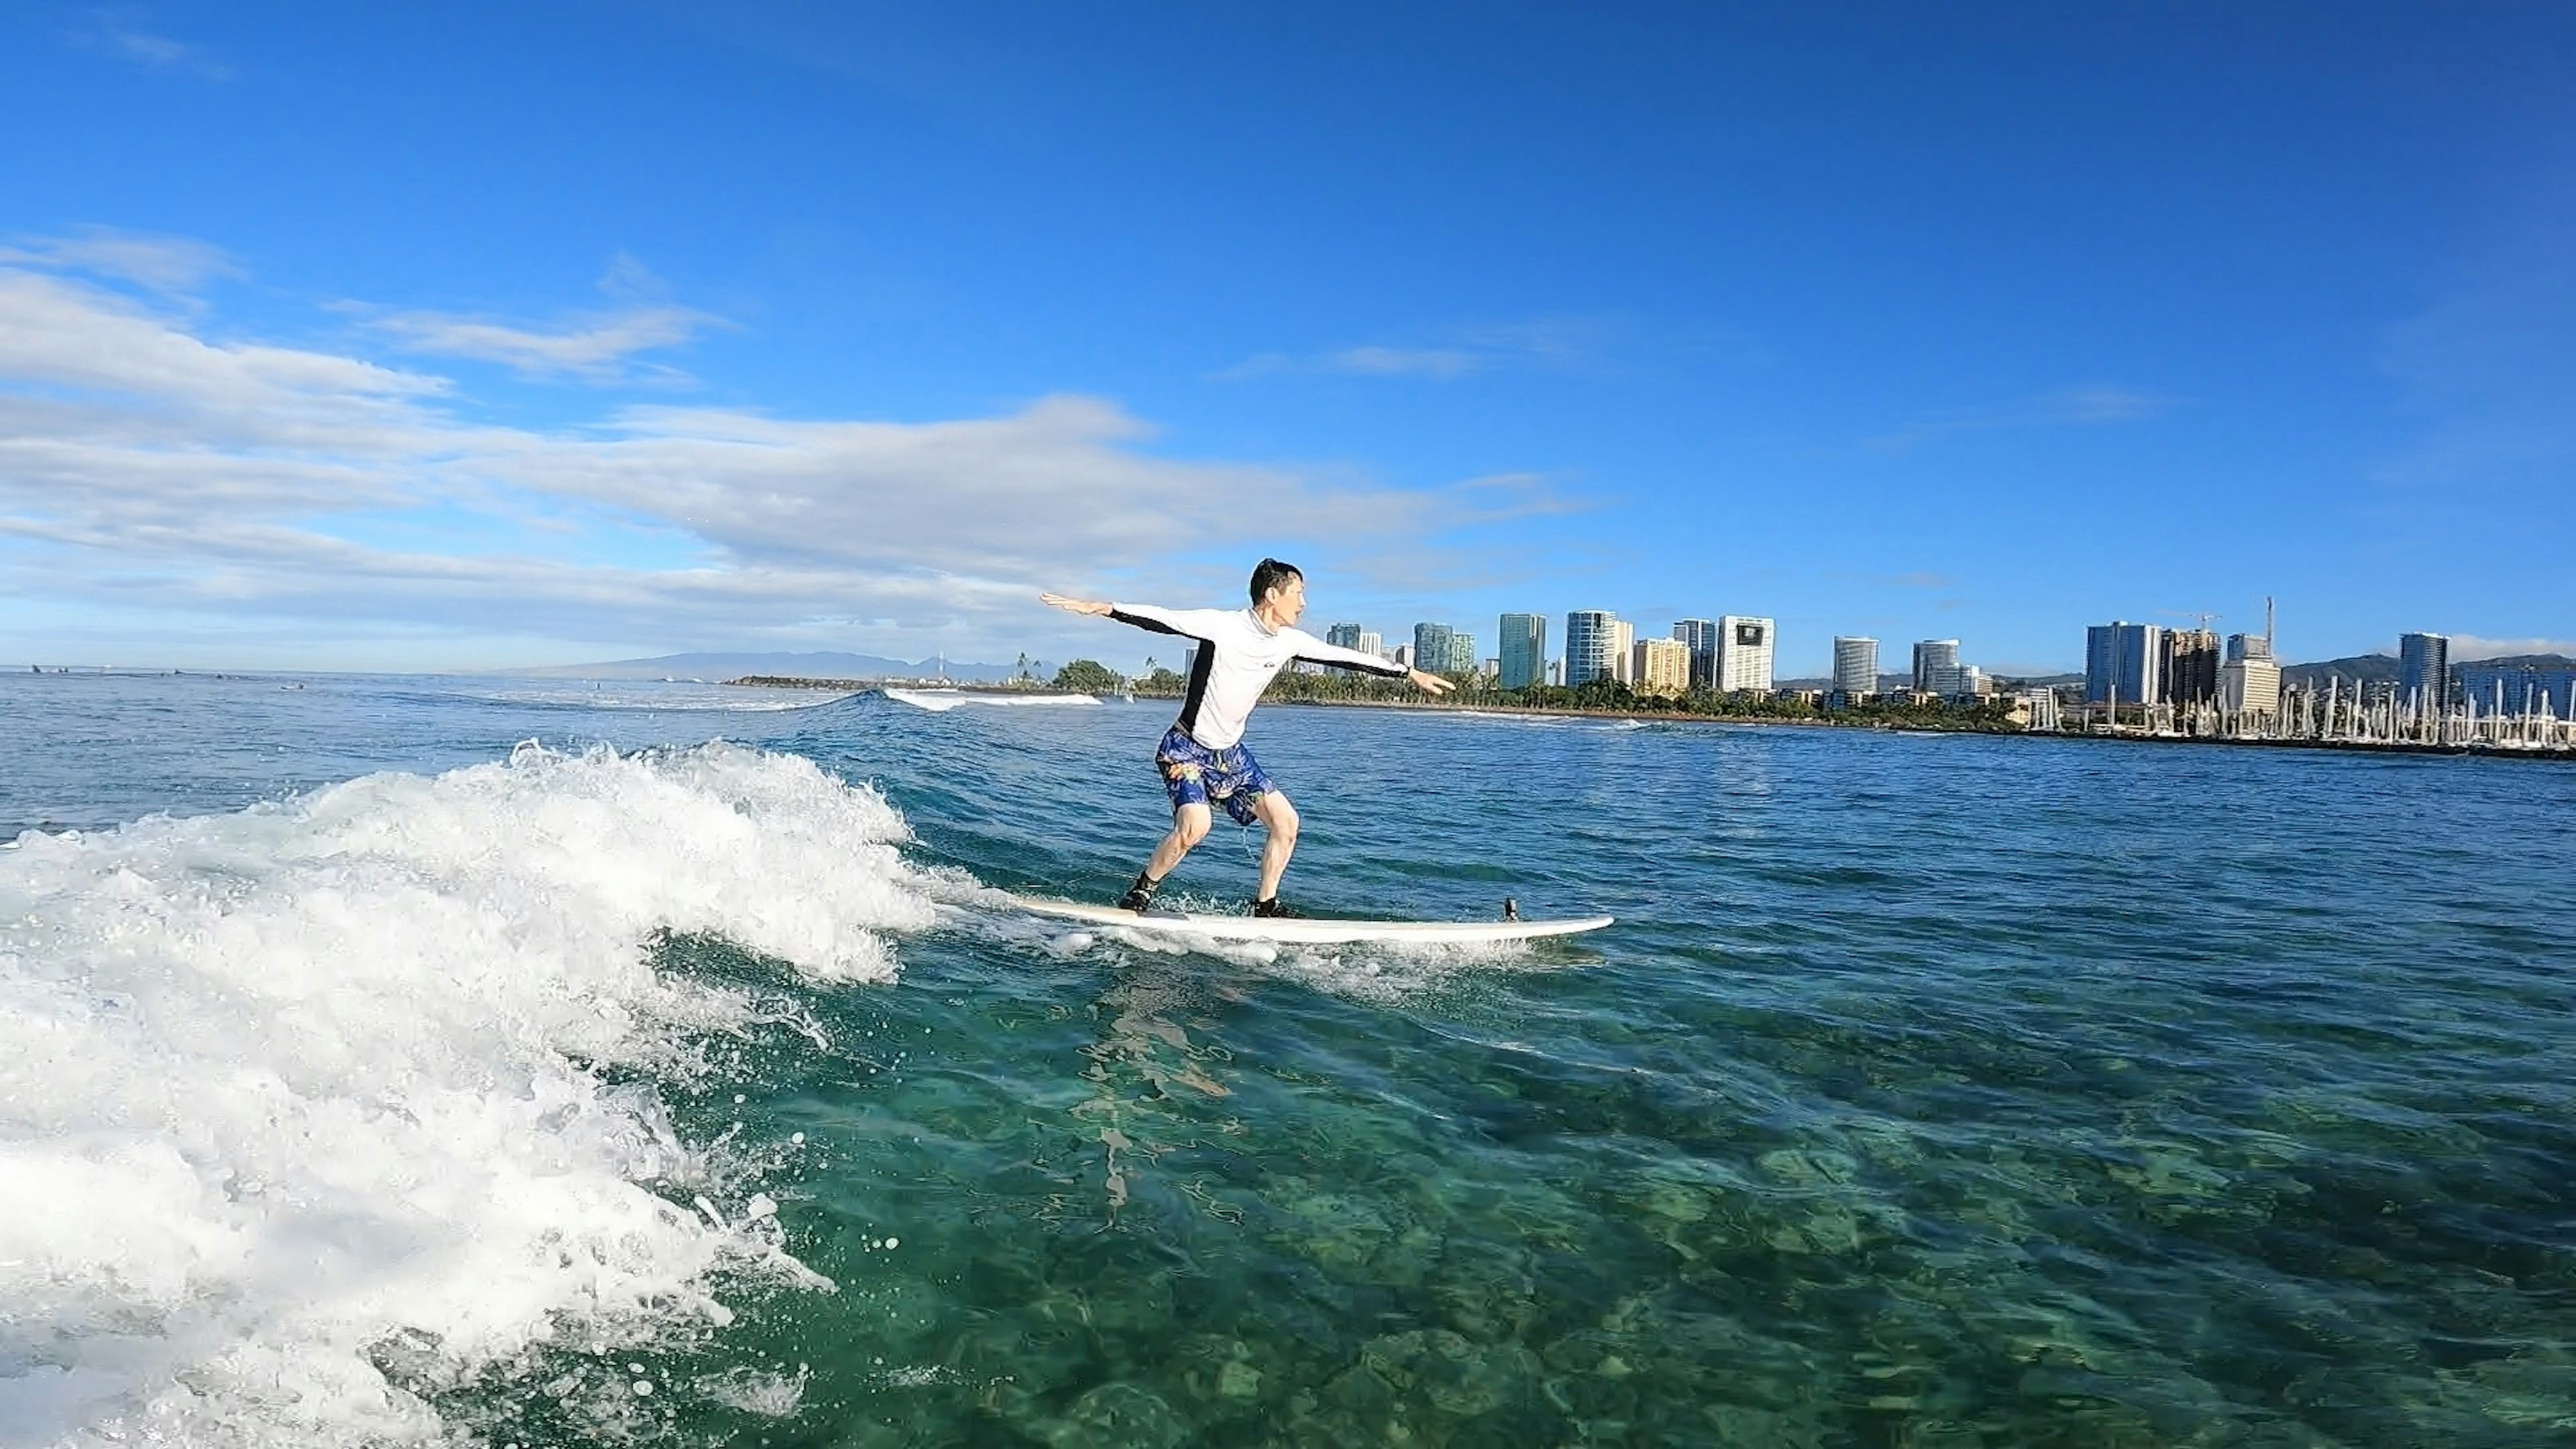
(1430, 684)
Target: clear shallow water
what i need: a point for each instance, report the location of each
(1930, 1091)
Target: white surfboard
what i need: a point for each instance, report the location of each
(1306, 931)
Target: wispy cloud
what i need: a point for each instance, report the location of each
(596, 347)
(1498, 497)
(2470, 646)
(1460, 352)
(114, 32)
(145, 464)
(2071, 407)
(163, 263)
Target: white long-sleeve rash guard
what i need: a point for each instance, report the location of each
(1237, 658)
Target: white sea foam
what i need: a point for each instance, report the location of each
(940, 701)
(282, 1088)
(674, 698)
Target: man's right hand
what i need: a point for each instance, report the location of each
(1430, 684)
(1078, 606)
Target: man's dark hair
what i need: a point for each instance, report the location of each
(1270, 574)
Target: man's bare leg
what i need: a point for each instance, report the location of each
(1279, 818)
(1189, 827)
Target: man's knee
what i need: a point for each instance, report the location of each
(1190, 823)
(1279, 816)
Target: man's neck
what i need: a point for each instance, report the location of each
(1262, 616)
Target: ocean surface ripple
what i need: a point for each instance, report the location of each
(422, 1060)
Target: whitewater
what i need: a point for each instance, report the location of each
(278, 1084)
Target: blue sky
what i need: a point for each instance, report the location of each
(381, 337)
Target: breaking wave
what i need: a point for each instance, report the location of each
(378, 1072)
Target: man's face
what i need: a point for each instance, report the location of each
(1288, 600)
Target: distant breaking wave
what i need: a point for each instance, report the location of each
(943, 700)
(281, 1086)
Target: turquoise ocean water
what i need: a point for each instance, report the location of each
(405, 1060)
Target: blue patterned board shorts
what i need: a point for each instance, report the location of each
(1193, 774)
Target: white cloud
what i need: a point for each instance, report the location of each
(595, 346)
(2465, 647)
(165, 263)
(1462, 352)
(111, 32)
(147, 465)
(2070, 407)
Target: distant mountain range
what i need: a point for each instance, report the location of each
(716, 668)
(2352, 670)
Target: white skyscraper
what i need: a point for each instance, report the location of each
(1855, 666)
(1370, 642)
(1744, 646)
(1931, 656)
(1623, 651)
(2251, 685)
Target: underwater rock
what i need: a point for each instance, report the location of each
(1221, 1370)
(1116, 1416)
(1456, 1376)
(1338, 1231)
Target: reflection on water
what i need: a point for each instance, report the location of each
(1142, 1055)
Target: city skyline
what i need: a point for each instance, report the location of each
(818, 330)
(2149, 657)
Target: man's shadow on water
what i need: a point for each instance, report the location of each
(1148, 1074)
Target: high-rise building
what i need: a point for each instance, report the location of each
(1855, 666)
(1700, 637)
(2249, 646)
(1660, 666)
(1623, 644)
(2121, 662)
(1932, 654)
(2519, 686)
(2187, 662)
(1433, 648)
(1522, 650)
(1744, 646)
(2251, 683)
(1370, 643)
(2424, 670)
(1345, 636)
(1402, 656)
(1462, 652)
(1952, 680)
(1591, 646)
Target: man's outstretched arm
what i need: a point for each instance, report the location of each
(1188, 623)
(1316, 651)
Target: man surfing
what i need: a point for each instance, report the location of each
(1202, 758)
